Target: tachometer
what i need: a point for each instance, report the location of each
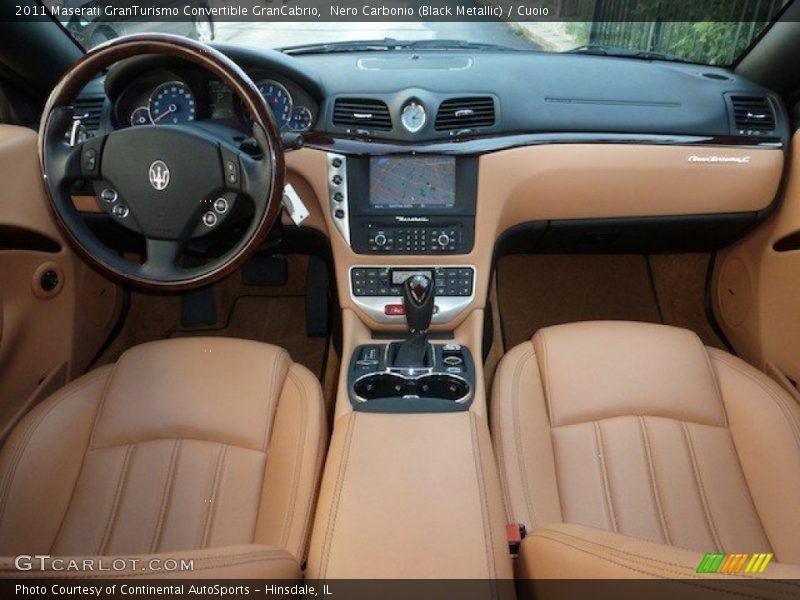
(279, 100)
(172, 102)
(300, 119)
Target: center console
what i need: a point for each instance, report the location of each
(412, 375)
(404, 203)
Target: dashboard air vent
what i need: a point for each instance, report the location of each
(361, 113)
(753, 113)
(465, 113)
(89, 109)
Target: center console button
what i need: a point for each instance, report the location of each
(394, 310)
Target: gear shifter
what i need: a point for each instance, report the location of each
(418, 296)
(418, 303)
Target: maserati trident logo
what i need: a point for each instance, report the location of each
(159, 175)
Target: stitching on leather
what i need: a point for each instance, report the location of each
(714, 380)
(687, 434)
(487, 528)
(271, 400)
(25, 438)
(328, 541)
(298, 464)
(318, 463)
(497, 408)
(681, 574)
(653, 482)
(102, 404)
(598, 437)
(552, 535)
(790, 418)
(521, 464)
(165, 496)
(212, 505)
(544, 369)
(112, 517)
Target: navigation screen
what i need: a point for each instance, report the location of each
(412, 182)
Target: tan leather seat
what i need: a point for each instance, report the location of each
(201, 448)
(631, 450)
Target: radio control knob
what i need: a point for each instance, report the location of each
(380, 239)
(443, 240)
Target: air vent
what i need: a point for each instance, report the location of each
(753, 114)
(89, 109)
(465, 113)
(362, 113)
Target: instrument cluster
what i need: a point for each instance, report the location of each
(173, 98)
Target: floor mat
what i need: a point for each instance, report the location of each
(540, 290)
(278, 320)
(273, 314)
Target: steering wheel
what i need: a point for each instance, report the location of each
(169, 183)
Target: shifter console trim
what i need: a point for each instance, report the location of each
(446, 307)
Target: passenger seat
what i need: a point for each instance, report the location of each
(630, 450)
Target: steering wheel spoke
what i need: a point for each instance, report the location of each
(161, 258)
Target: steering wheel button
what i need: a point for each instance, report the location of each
(221, 205)
(231, 172)
(121, 211)
(210, 219)
(109, 195)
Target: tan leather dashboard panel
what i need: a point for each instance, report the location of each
(567, 181)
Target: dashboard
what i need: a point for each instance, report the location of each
(183, 94)
(442, 161)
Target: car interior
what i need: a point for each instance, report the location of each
(411, 312)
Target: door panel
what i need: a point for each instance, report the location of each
(756, 291)
(46, 337)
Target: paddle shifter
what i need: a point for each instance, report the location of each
(418, 296)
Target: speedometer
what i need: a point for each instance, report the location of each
(279, 100)
(172, 102)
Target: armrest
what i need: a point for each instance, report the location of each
(411, 496)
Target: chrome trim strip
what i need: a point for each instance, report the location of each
(343, 223)
(495, 143)
(463, 399)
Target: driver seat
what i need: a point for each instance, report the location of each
(203, 449)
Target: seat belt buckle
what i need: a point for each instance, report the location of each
(515, 533)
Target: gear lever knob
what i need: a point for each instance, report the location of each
(418, 302)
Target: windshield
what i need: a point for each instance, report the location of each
(721, 32)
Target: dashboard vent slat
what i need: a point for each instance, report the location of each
(364, 113)
(89, 109)
(465, 113)
(753, 113)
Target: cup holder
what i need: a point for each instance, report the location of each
(438, 386)
(446, 387)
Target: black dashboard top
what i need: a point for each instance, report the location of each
(419, 97)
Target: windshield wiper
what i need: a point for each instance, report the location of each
(603, 50)
(387, 44)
